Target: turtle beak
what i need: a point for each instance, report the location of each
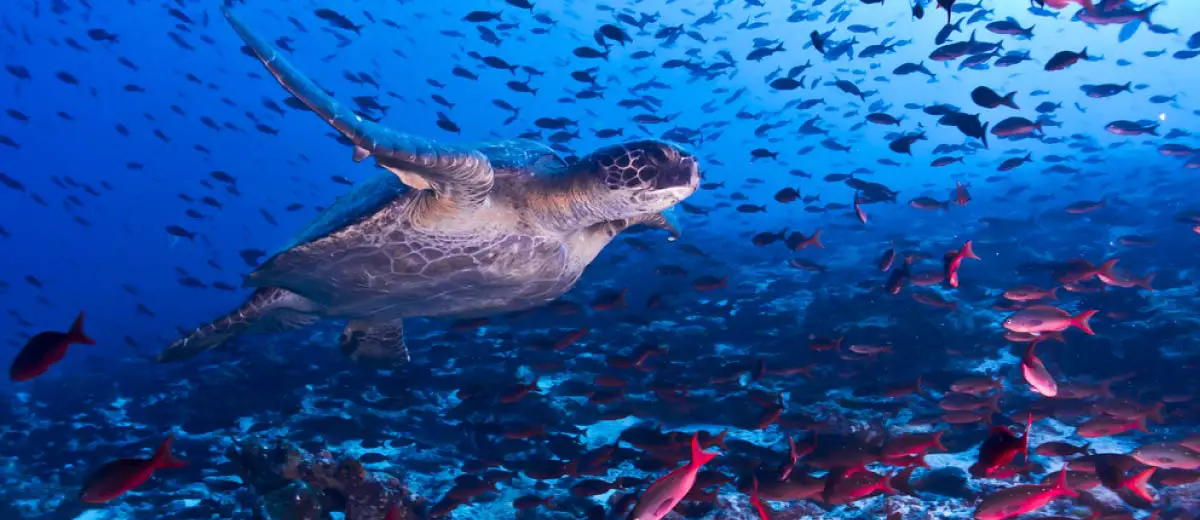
(690, 167)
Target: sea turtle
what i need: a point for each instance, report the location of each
(450, 231)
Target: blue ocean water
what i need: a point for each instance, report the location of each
(150, 162)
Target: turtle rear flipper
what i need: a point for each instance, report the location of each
(460, 176)
(269, 309)
(379, 344)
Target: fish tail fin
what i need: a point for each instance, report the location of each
(1052, 294)
(76, 334)
(1010, 101)
(699, 456)
(1137, 484)
(163, 457)
(1106, 268)
(937, 441)
(1140, 425)
(1060, 484)
(816, 239)
(719, 440)
(885, 483)
(1145, 281)
(968, 251)
(984, 134)
(1081, 321)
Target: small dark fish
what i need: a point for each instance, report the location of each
(102, 35)
(336, 19)
(481, 16)
(180, 232)
(588, 52)
(988, 98)
(1064, 59)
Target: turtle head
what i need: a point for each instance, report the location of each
(639, 177)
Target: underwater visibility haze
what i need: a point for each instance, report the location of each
(574, 259)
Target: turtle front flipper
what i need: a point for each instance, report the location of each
(269, 309)
(459, 176)
(378, 344)
(665, 221)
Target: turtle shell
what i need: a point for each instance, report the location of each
(520, 156)
(364, 200)
(511, 157)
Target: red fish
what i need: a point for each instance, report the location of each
(1128, 282)
(862, 215)
(1060, 4)
(665, 493)
(1018, 500)
(1113, 477)
(953, 260)
(517, 392)
(794, 455)
(895, 282)
(1038, 319)
(885, 263)
(1036, 375)
(570, 338)
(1028, 293)
(1105, 426)
(1080, 270)
(999, 449)
(115, 478)
(45, 349)
(798, 241)
(758, 506)
(961, 196)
